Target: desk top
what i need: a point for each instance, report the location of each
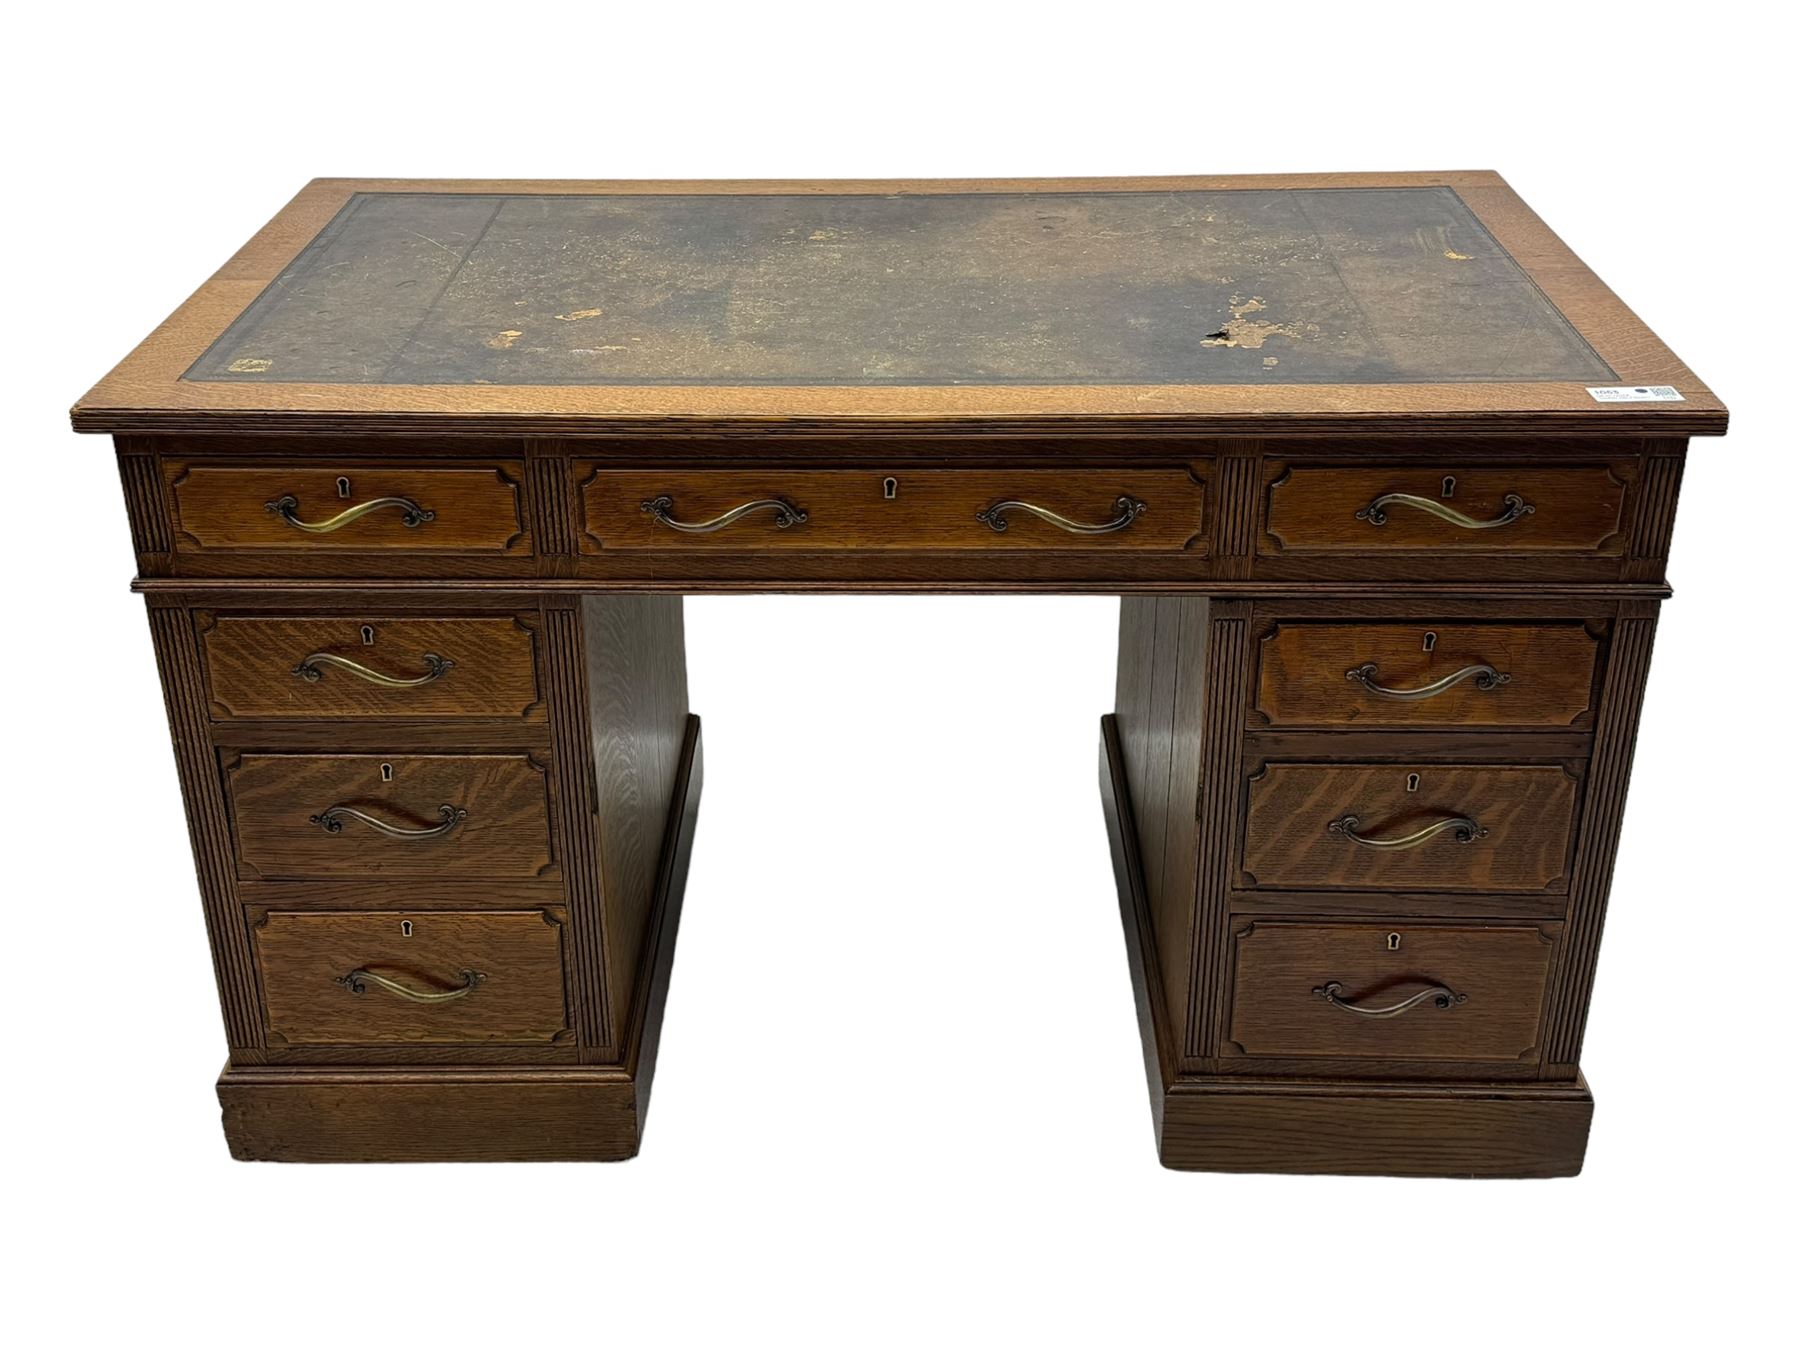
(1325, 302)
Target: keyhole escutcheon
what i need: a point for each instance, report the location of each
(1393, 942)
(343, 487)
(406, 931)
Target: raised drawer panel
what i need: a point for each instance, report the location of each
(1425, 675)
(1073, 510)
(1405, 991)
(370, 508)
(1443, 509)
(450, 816)
(388, 668)
(1416, 827)
(398, 978)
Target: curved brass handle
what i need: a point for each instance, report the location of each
(1438, 995)
(1376, 511)
(662, 510)
(332, 819)
(358, 980)
(1466, 830)
(435, 666)
(1125, 510)
(288, 508)
(1485, 677)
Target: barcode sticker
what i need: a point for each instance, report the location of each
(1636, 393)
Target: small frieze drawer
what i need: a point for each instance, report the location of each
(309, 509)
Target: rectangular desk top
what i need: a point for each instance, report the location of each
(1397, 302)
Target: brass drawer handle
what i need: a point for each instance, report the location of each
(435, 666)
(358, 980)
(662, 510)
(288, 508)
(1466, 832)
(1376, 511)
(1485, 677)
(332, 819)
(1439, 996)
(1125, 510)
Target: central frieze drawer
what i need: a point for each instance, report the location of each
(1410, 991)
(387, 978)
(1425, 675)
(449, 816)
(343, 667)
(997, 510)
(1418, 827)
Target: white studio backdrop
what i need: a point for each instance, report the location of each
(900, 1099)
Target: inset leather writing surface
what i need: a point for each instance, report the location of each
(1269, 286)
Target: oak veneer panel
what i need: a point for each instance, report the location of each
(634, 654)
(931, 510)
(1304, 675)
(259, 667)
(504, 831)
(515, 959)
(1527, 811)
(1160, 694)
(1574, 510)
(227, 508)
(1501, 972)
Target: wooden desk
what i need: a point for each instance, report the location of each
(1381, 471)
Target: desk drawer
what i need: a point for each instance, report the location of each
(393, 978)
(1445, 509)
(1402, 991)
(802, 510)
(337, 508)
(1415, 827)
(323, 816)
(1425, 675)
(391, 668)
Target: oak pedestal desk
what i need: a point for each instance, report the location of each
(1383, 474)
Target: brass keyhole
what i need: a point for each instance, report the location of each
(387, 773)
(1449, 486)
(343, 486)
(368, 635)
(1430, 641)
(1412, 782)
(406, 928)
(890, 488)
(1393, 942)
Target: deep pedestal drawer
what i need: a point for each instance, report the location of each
(387, 978)
(1409, 991)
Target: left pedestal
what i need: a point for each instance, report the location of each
(441, 843)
